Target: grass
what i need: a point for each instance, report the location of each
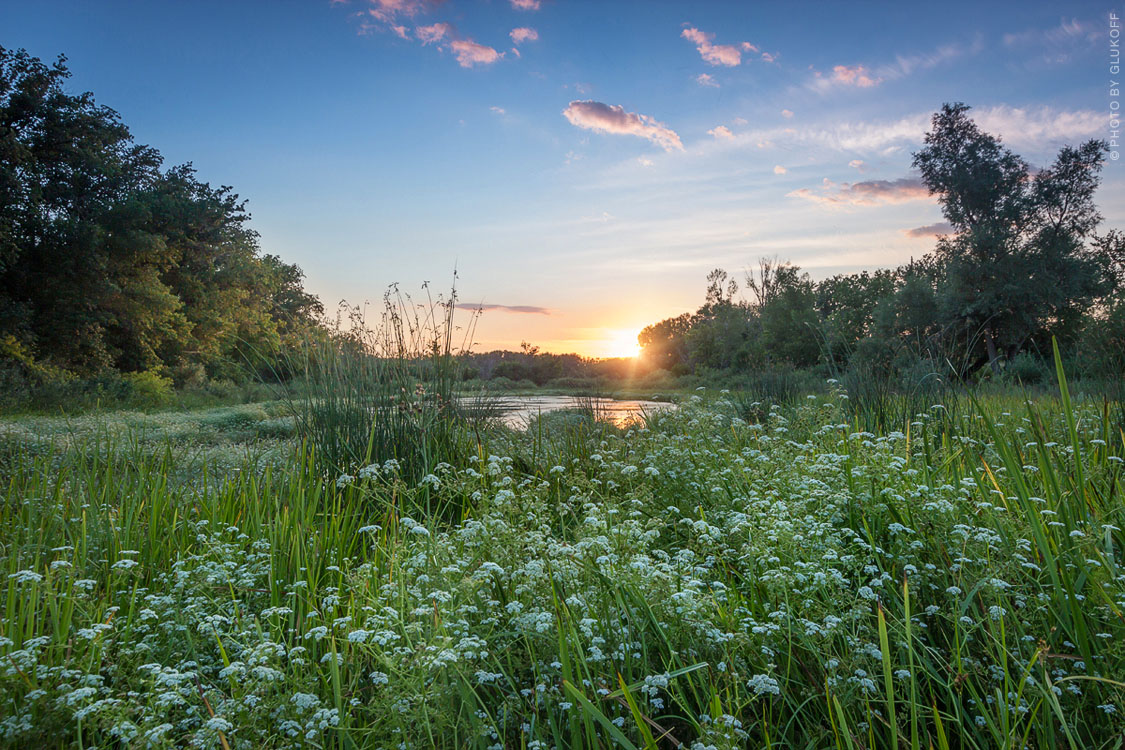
(717, 576)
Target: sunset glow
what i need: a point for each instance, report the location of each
(577, 165)
(622, 343)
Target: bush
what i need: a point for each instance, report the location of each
(147, 388)
(1026, 369)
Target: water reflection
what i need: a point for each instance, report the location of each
(518, 411)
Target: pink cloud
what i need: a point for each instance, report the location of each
(469, 53)
(854, 76)
(525, 4)
(778, 169)
(388, 10)
(523, 34)
(729, 55)
(433, 33)
(930, 230)
(871, 193)
(721, 131)
(706, 79)
(787, 114)
(613, 119)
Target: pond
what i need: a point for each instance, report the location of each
(518, 411)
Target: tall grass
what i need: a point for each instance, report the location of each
(695, 581)
(373, 392)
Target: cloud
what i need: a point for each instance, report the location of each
(1039, 126)
(443, 35)
(469, 53)
(729, 55)
(863, 76)
(858, 76)
(526, 4)
(720, 131)
(906, 65)
(872, 193)
(930, 230)
(390, 15)
(389, 10)
(523, 34)
(1035, 129)
(433, 33)
(858, 164)
(499, 110)
(1065, 34)
(706, 79)
(525, 309)
(613, 119)
(778, 169)
(787, 114)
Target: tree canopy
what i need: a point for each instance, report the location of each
(108, 260)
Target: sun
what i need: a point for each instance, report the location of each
(622, 342)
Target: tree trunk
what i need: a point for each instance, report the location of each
(993, 357)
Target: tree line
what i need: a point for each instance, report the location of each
(1022, 264)
(109, 261)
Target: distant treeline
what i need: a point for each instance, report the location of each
(1023, 263)
(531, 366)
(110, 262)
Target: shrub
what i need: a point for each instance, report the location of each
(1026, 369)
(148, 388)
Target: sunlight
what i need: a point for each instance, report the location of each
(622, 342)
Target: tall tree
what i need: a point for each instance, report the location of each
(109, 261)
(1015, 266)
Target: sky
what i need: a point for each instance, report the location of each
(581, 164)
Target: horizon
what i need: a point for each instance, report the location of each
(582, 166)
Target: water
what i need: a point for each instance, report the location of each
(518, 411)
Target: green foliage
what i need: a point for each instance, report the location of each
(149, 388)
(108, 262)
(795, 581)
(1016, 267)
(1026, 369)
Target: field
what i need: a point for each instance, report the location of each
(731, 573)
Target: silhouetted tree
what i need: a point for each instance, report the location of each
(1014, 267)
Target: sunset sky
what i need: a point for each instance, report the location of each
(583, 165)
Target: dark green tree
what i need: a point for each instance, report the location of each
(108, 261)
(1015, 268)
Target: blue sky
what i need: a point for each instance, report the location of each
(596, 164)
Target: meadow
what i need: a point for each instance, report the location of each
(728, 573)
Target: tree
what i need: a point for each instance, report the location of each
(846, 304)
(1015, 267)
(664, 344)
(109, 261)
(785, 303)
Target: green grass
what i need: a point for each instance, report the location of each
(775, 576)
